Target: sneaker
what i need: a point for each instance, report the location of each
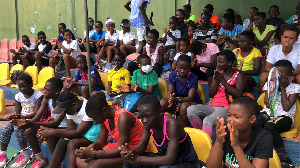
(3, 160)
(287, 165)
(39, 163)
(21, 162)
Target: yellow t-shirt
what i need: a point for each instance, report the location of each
(118, 78)
(248, 61)
(260, 37)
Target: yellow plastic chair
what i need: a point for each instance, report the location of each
(201, 94)
(33, 72)
(274, 162)
(104, 79)
(163, 87)
(4, 69)
(2, 103)
(201, 142)
(294, 131)
(15, 67)
(45, 74)
(152, 148)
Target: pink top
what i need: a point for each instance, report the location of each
(220, 98)
(211, 49)
(165, 133)
(154, 56)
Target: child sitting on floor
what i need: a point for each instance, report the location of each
(226, 81)
(27, 103)
(284, 110)
(110, 45)
(174, 145)
(82, 88)
(170, 37)
(239, 143)
(121, 124)
(249, 60)
(182, 90)
(228, 33)
(70, 50)
(23, 51)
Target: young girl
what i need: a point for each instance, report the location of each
(184, 50)
(182, 90)
(274, 20)
(155, 51)
(264, 34)
(122, 125)
(241, 144)
(174, 145)
(80, 130)
(223, 82)
(204, 56)
(70, 50)
(249, 60)
(27, 102)
(170, 37)
(111, 44)
(128, 38)
(285, 108)
(287, 50)
(205, 33)
(44, 117)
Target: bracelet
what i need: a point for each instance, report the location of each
(95, 154)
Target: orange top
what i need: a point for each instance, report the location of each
(135, 132)
(213, 19)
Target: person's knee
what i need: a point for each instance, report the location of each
(191, 111)
(98, 93)
(73, 144)
(66, 57)
(183, 107)
(297, 78)
(37, 56)
(164, 103)
(85, 89)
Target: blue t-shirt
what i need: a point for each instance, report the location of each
(233, 35)
(82, 75)
(182, 89)
(136, 18)
(97, 36)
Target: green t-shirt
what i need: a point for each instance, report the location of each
(144, 81)
(184, 31)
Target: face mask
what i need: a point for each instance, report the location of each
(147, 68)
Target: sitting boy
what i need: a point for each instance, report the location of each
(23, 51)
(241, 144)
(82, 88)
(97, 37)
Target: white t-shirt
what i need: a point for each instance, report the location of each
(276, 54)
(81, 115)
(298, 39)
(127, 37)
(31, 47)
(292, 88)
(178, 54)
(28, 105)
(74, 45)
(176, 33)
(90, 33)
(112, 37)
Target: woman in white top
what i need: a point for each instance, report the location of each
(70, 50)
(287, 50)
(127, 38)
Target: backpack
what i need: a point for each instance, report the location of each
(129, 101)
(14, 76)
(61, 69)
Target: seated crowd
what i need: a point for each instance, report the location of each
(234, 57)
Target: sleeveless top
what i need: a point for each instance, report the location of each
(220, 98)
(186, 152)
(50, 106)
(153, 56)
(135, 132)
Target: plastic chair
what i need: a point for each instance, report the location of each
(294, 131)
(45, 74)
(4, 69)
(33, 72)
(15, 67)
(2, 102)
(104, 78)
(4, 57)
(33, 40)
(201, 142)
(151, 147)
(19, 44)
(13, 44)
(274, 162)
(4, 43)
(201, 94)
(163, 87)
